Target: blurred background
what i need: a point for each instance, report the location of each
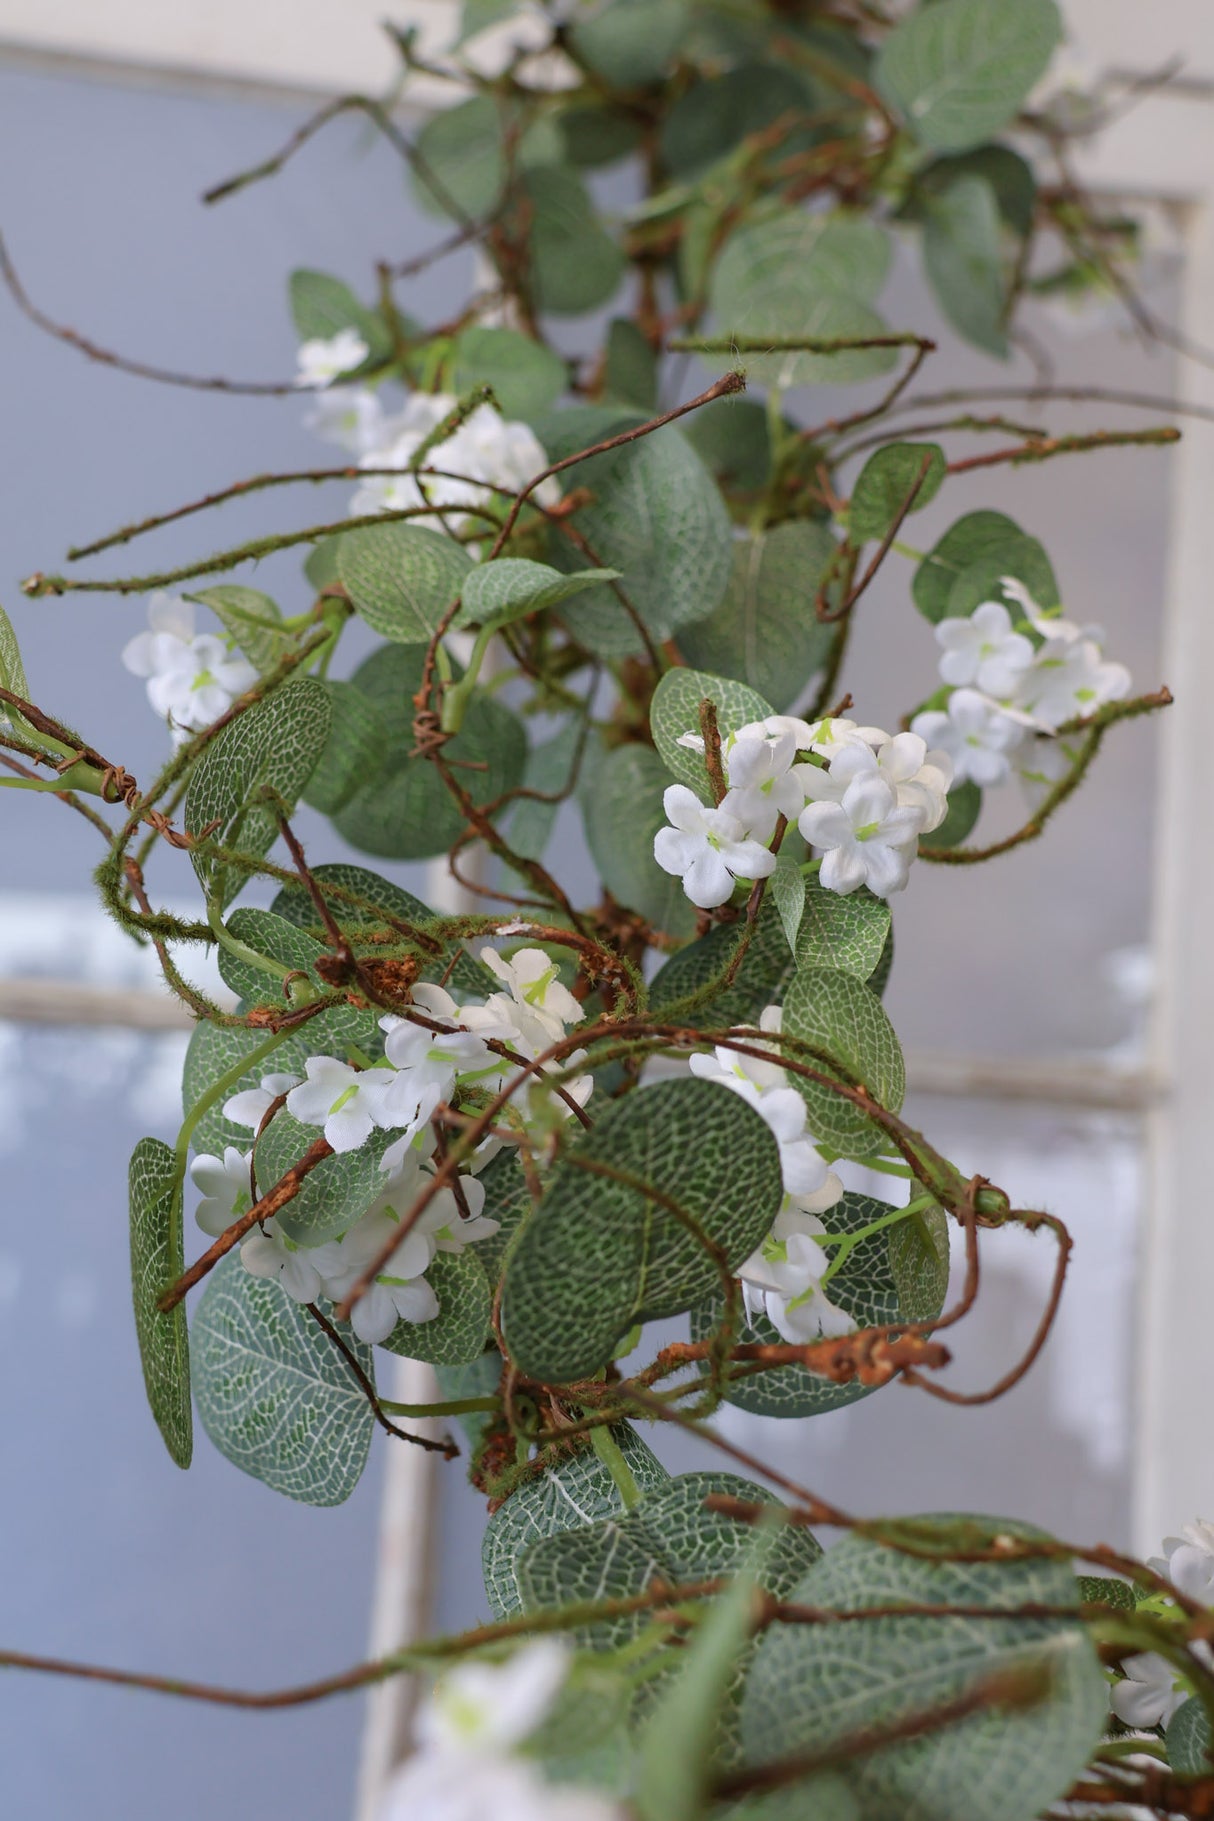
(112, 121)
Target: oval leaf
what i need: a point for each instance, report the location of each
(675, 710)
(156, 1261)
(401, 578)
(957, 71)
(843, 1018)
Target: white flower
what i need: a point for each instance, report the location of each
(762, 782)
(1188, 1561)
(191, 679)
(323, 361)
(487, 455)
(920, 779)
(983, 650)
(492, 1707)
(443, 1222)
(535, 984)
(251, 1105)
(424, 1065)
(337, 1097)
(269, 1253)
(399, 1292)
(867, 836)
(224, 1182)
(978, 735)
(1069, 678)
(442, 1786)
(782, 1279)
(351, 416)
(1150, 1694)
(710, 848)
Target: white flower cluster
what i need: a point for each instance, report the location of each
(424, 1066)
(467, 1766)
(782, 1278)
(862, 797)
(192, 678)
(486, 456)
(1152, 1690)
(1011, 692)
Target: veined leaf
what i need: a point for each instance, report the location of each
(675, 710)
(156, 1261)
(958, 70)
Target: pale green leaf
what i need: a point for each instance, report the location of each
(963, 259)
(814, 1686)
(352, 751)
(1188, 1735)
(275, 744)
(510, 587)
(575, 263)
(156, 1262)
(631, 42)
(631, 372)
(401, 578)
(549, 771)
(273, 1392)
(527, 378)
(957, 71)
(577, 1490)
(322, 306)
(843, 932)
(628, 1213)
(845, 1021)
(715, 114)
(675, 710)
(463, 167)
(251, 619)
(884, 485)
(766, 632)
(787, 888)
(984, 541)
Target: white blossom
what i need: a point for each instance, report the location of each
(533, 979)
(982, 649)
(1069, 678)
(251, 1105)
(763, 784)
(1188, 1561)
(487, 455)
(351, 416)
(424, 1065)
(399, 1292)
(443, 1221)
(709, 848)
(492, 1707)
(269, 1253)
(191, 678)
(342, 1099)
(978, 735)
(320, 362)
(1150, 1694)
(782, 1279)
(867, 836)
(225, 1186)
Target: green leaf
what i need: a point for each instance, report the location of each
(480, 1378)
(274, 744)
(278, 940)
(322, 306)
(393, 904)
(843, 932)
(333, 1196)
(464, 148)
(512, 586)
(841, 1016)
(575, 265)
(631, 42)
(320, 564)
(899, 1273)
(1188, 1735)
(619, 1254)
(657, 516)
(527, 378)
(401, 578)
(156, 1262)
(731, 438)
(406, 812)
(814, 1686)
(1102, 1589)
(983, 580)
(631, 372)
(1009, 176)
(675, 710)
(797, 275)
(761, 979)
(884, 484)
(989, 540)
(964, 808)
(787, 888)
(957, 71)
(273, 1392)
(458, 1333)
(963, 259)
(251, 618)
(714, 115)
(596, 136)
(352, 751)
(12, 670)
(766, 632)
(696, 1544)
(579, 1490)
(549, 769)
(621, 798)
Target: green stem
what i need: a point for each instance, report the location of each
(457, 697)
(847, 1242)
(459, 1406)
(908, 550)
(241, 950)
(612, 1457)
